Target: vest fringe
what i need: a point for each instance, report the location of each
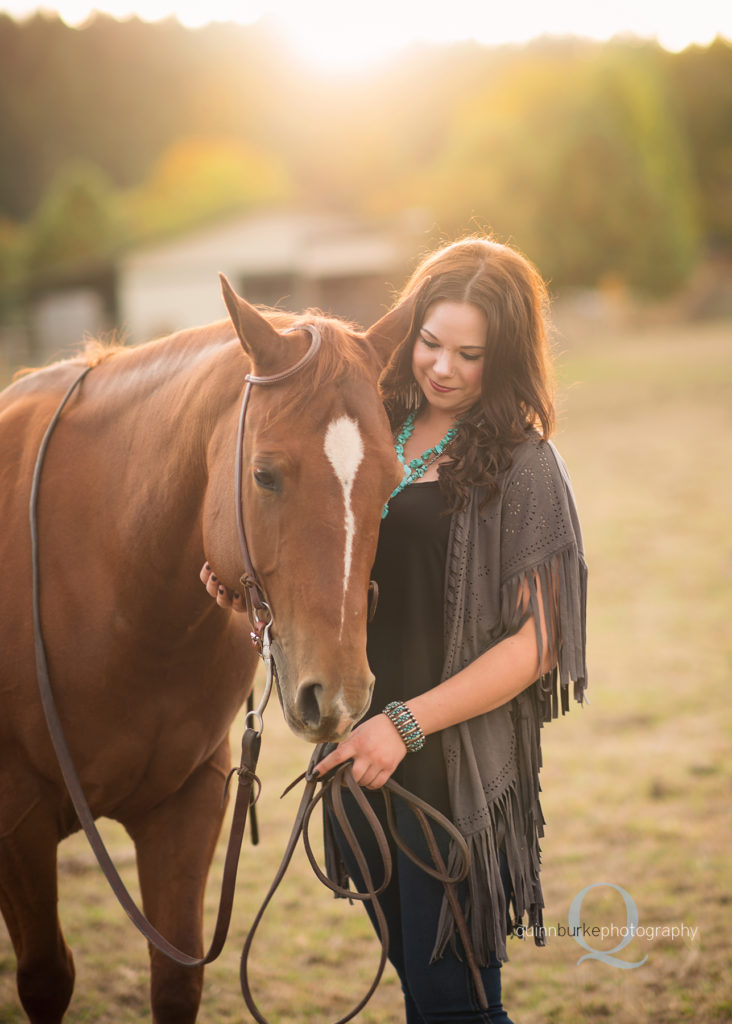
(513, 821)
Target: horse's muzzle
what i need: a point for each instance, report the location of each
(320, 716)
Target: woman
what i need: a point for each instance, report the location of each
(479, 628)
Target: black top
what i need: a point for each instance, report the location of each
(405, 637)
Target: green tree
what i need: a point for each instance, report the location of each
(701, 81)
(575, 155)
(197, 179)
(76, 226)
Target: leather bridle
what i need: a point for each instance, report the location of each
(258, 607)
(257, 603)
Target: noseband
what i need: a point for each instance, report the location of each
(258, 607)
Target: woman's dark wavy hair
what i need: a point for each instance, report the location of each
(517, 390)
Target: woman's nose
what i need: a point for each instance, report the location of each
(443, 363)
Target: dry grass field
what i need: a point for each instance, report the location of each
(636, 785)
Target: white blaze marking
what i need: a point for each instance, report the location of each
(344, 448)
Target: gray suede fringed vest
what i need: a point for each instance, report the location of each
(519, 556)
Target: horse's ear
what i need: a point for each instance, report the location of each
(392, 329)
(259, 339)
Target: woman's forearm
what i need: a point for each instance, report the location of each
(491, 680)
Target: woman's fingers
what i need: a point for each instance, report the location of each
(371, 777)
(220, 593)
(329, 763)
(375, 747)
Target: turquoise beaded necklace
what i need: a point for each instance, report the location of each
(417, 467)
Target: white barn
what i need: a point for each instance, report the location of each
(291, 260)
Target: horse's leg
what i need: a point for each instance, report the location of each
(175, 844)
(28, 896)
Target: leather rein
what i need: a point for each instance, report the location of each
(261, 621)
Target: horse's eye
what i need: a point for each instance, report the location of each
(265, 478)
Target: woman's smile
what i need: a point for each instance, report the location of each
(440, 387)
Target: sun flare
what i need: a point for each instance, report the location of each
(332, 36)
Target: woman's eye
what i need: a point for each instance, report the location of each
(265, 478)
(472, 358)
(427, 342)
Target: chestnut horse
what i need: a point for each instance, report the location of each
(148, 673)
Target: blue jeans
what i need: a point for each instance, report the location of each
(437, 993)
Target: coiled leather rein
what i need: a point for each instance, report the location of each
(330, 793)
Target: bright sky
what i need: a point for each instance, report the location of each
(339, 34)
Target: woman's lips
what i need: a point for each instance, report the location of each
(439, 387)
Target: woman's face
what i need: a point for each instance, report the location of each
(448, 355)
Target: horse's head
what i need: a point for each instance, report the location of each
(318, 465)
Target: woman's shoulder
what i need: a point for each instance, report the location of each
(538, 482)
(536, 456)
(538, 497)
(536, 473)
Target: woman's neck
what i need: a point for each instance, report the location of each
(434, 420)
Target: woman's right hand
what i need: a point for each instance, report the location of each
(374, 746)
(224, 597)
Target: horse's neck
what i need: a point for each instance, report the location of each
(155, 412)
(180, 360)
(173, 389)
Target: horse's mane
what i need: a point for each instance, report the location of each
(97, 349)
(91, 353)
(344, 354)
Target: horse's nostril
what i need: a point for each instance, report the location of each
(308, 703)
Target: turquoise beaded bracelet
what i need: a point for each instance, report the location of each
(406, 725)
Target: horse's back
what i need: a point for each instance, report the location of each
(32, 385)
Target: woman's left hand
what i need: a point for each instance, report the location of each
(375, 747)
(221, 594)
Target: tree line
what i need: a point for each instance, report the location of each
(599, 160)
